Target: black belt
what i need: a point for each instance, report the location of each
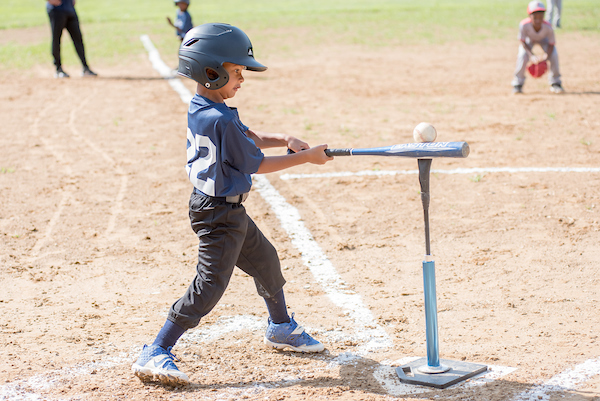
(229, 199)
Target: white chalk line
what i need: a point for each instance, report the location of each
(25, 389)
(118, 202)
(164, 70)
(50, 227)
(367, 330)
(474, 170)
(65, 195)
(28, 388)
(568, 380)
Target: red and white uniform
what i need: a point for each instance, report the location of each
(529, 35)
(544, 38)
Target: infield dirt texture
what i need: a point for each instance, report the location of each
(95, 242)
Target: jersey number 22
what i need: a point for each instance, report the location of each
(201, 164)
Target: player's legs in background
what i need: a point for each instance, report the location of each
(72, 25)
(554, 75)
(520, 68)
(58, 21)
(554, 11)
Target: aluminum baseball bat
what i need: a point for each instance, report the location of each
(418, 150)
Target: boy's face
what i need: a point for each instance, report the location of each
(537, 18)
(235, 80)
(182, 5)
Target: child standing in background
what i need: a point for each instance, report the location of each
(63, 16)
(183, 22)
(534, 30)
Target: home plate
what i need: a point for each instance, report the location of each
(387, 377)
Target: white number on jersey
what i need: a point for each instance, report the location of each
(202, 163)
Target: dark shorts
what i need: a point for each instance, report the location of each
(228, 238)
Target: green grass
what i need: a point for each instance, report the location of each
(112, 27)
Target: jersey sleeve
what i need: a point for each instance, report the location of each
(550, 36)
(239, 151)
(523, 29)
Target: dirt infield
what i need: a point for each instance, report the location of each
(96, 242)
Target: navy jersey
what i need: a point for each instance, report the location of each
(183, 22)
(220, 157)
(66, 5)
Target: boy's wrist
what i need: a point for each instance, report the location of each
(287, 139)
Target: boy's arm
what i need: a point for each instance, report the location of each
(550, 50)
(264, 140)
(534, 59)
(173, 25)
(314, 155)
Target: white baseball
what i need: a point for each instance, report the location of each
(424, 132)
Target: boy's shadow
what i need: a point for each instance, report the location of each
(355, 374)
(125, 78)
(581, 93)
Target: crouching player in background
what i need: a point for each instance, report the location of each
(534, 30)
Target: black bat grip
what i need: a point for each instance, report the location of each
(330, 152)
(338, 152)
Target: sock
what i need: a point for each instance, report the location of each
(277, 309)
(168, 335)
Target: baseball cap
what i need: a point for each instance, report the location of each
(535, 6)
(181, 1)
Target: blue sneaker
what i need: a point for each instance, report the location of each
(156, 363)
(291, 335)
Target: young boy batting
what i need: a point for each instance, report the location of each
(222, 153)
(534, 30)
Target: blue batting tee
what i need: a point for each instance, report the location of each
(220, 156)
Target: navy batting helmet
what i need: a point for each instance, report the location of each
(208, 46)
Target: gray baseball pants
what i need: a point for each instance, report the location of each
(554, 10)
(523, 59)
(228, 238)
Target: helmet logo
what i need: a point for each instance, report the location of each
(250, 52)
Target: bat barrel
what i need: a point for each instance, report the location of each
(423, 150)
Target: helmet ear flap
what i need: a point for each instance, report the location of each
(215, 77)
(204, 70)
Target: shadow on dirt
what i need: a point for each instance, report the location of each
(123, 78)
(353, 377)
